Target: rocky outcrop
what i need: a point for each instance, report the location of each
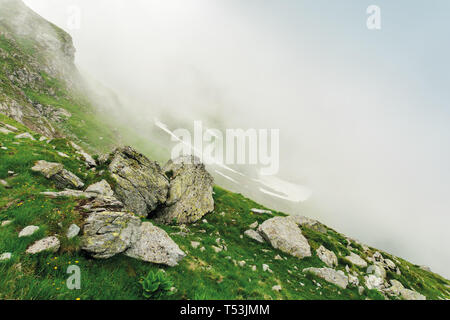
(88, 160)
(101, 188)
(56, 172)
(327, 256)
(397, 289)
(109, 233)
(191, 192)
(154, 245)
(139, 183)
(336, 277)
(283, 234)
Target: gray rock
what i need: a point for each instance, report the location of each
(101, 188)
(28, 231)
(373, 282)
(254, 225)
(56, 172)
(51, 244)
(195, 244)
(261, 211)
(5, 131)
(283, 234)
(154, 245)
(327, 256)
(9, 127)
(378, 270)
(336, 277)
(90, 162)
(139, 183)
(4, 184)
(25, 135)
(252, 234)
(407, 294)
(109, 233)
(353, 280)
(5, 256)
(190, 194)
(356, 260)
(390, 264)
(276, 288)
(73, 231)
(6, 223)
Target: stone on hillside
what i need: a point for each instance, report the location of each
(24, 135)
(336, 277)
(395, 288)
(68, 193)
(195, 244)
(407, 294)
(109, 233)
(303, 221)
(4, 184)
(154, 245)
(261, 211)
(283, 234)
(276, 288)
(5, 256)
(424, 268)
(254, 225)
(373, 282)
(252, 234)
(28, 231)
(6, 223)
(390, 264)
(356, 260)
(73, 231)
(51, 244)
(378, 270)
(265, 267)
(62, 154)
(190, 192)
(55, 171)
(9, 127)
(101, 188)
(5, 131)
(139, 183)
(327, 256)
(90, 162)
(353, 280)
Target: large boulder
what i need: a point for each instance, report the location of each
(154, 245)
(284, 234)
(139, 182)
(336, 277)
(109, 233)
(190, 194)
(56, 172)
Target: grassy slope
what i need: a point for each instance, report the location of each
(201, 275)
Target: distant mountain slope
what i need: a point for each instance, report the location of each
(45, 105)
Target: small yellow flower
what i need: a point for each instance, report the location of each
(77, 299)
(76, 261)
(55, 268)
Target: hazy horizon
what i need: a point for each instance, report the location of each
(363, 115)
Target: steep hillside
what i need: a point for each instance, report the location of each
(45, 106)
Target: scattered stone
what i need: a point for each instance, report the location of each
(4, 184)
(407, 294)
(139, 183)
(242, 263)
(336, 277)
(254, 268)
(195, 244)
(424, 268)
(254, 225)
(266, 268)
(252, 234)
(356, 260)
(261, 211)
(327, 256)
(25, 135)
(47, 244)
(10, 173)
(90, 162)
(361, 290)
(190, 192)
(353, 280)
(276, 288)
(154, 245)
(73, 231)
(278, 257)
(28, 231)
(5, 131)
(202, 249)
(217, 249)
(5, 256)
(390, 264)
(109, 233)
(283, 234)
(62, 154)
(6, 223)
(9, 127)
(56, 172)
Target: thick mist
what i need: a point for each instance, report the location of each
(363, 115)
